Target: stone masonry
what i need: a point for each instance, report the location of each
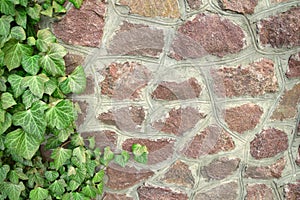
(211, 87)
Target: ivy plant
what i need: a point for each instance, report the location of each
(37, 118)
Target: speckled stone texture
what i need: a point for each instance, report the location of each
(245, 6)
(294, 66)
(259, 191)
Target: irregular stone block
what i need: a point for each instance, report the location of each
(111, 196)
(227, 191)
(211, 140)
(170, 91)
(126, 118)
(82, 26)
(136, 39)
(243, 118)
(294, 66)
(159, 150)
(268, 143)
(254, 79)
(266, 172)
(103, 138)
(207, 34)
(122, 178)
(153, 8)
(244, 6)
(281, 30)
(220, 168)
(292, 191)
(124, 80)
(259, 191)
(159, 193)
(179, 121)
(298, 157)
(180, 175)
(194, 4)
(83, 105)
(72, 61)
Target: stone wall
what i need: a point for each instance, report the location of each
(211, 87)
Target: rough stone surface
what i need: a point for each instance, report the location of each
(227, 191)
(124, 80)
(153, 8)
(110, 196)
(211, 140)
(298, 157)
(136, 39)
(126, 118)
(220, 168)
(207, 34)
(245, 6)
(179, 121)
(72, 61)
(268, 143)
(103, 138)
(194, 4)
(158, 193)
(266, 172)
(254, 79)
(294, 66)
(82, 26)
(259, 192)
(281, 30)
(170, 91)
(179, 174)
(122, 178)
(83, 105)
(243, 118)
(287, 107)
(159, 150)
(292, 191)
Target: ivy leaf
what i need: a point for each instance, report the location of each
(77, 196)
(100, 187)
(3, 172)
(79, 152)
(91, 166)
(22, 143)
(58, 187)
(1, 58)
(61, 115)
(5, 24)
(73, 185)
(7, 100)
(16, 84)
(13, 191)
(6, 123)
(80, 175)
(18, 33)
(122, 159)
(7, 7)
(38, 194)
(50, 86)
(35, 84)
(28, 99)
(58, 8)
(63, 134)
(31, 64)
(21, 17)
(60, 156)
(140, 153)
(34, 12)
(76, 3)
(108, 155)
(89, 191)
(13, 177)
(98, 176)
(44, 39)
(24, 2)
(51, 175)
(48, 12)
(77, 80)
(77, 140)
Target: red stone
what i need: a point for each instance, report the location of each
(159, 150)
(244, 6)
(169, 91)
(281, 30)
(259, 191)
(220, 168)
(111, 196)
(120, 178)
(298, 157)
(72, 61)
(194, 4)
(227, 191)
(83, 105)
(179, 121)
(136, 39)
(254, 79)
(159, 193)
(294, 66)
(292, 191)
(82, 26)
(268, 143)
(103, 138)
(126, 118)
(266, 172)
(124, 80)
(243, 118)
(211, 140)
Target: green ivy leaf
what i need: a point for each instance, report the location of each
(140, 153)
(3, 172)
(77, 196)
(36, 85)
(21, 17)
(44, 39)
(5, 24)
(7, 100)
(108, 155)
(76, 3)
(22, 143)
(77, 80)
(79, 152)
(89, 191)
(91, 166)
(122, 159)
(80, 175)
(7, 7)
(63, 134)
(60, 156)
(98, 177)
(48, 12)
(13, 177)
(77, 140)
(23, 2)
(28, 99)
(51, 175)
(21, 174)
(38, 194)
(100, 187)
(50, 86)
(31, 64)
(18, 33)
(31, 41)
(34, 12)
(58, 8)
(16, 84)
(13, 191)
(1, 58)
(73, 185)
(58, 187)
(6, 123)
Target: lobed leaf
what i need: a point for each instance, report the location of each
(108, 155)
(18, 33)
(60, 156)
(6, 123)
(21, 17)
(16, 84)
(44, 39)
(38, 194)
(7, 100)
(51, 175)
(76, 3)
(31, 64)
(3, 172)
(13, 191)
(122, 159)
(58, 187)
(36, 85)
(28, 98)
(7, 7)
(5, 24)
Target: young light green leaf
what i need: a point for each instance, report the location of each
(5, 24)
(60, 156)
(77, 80)
(7, 7)
(91, 167)
(45, 38)
(122, 159)
(6, 123)
(63, 134)
(22, 143)
(80, 175)
(77, 140)
(3, 172)
(51, 175)
(73, 185)
(71, 171)
(89, 191)
(16, 84)
(31, 41)
(18, 33)
(140, 153)
(38, 194)
(142, 158)
(48, 12)
(108, 155)
(34, 12)
(61, 115)
(79, 152)
(21, 17)
(98, 177)
(58, 187)
(76, 3)
(28, 99)
(92, 142)
(7, 100)
(100, 187)
(31, 64)
(58, 8)
(50, 86)
(35, 84)
(13, 191)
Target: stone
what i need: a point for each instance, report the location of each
(180, 175)
(83, 105)
(125, 119)
(266, 172)
(281, 30)
(211, 140)
(159, 193)
(254, 79)
(259, 191)
(124, 80)
(243, 118)
(120, 178)
(298, 157)
(170, 91)
(268, 143)
(111, 196)
(72, 61)
(153, 8)
(227, 191)
(137, 40)
(103, 138)
(159, 149)
(220, 168)
(287, 107)
(207, 34)
(244, 6)
(294, 66)
(82, 26)
(292, 191)
(194, 4)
